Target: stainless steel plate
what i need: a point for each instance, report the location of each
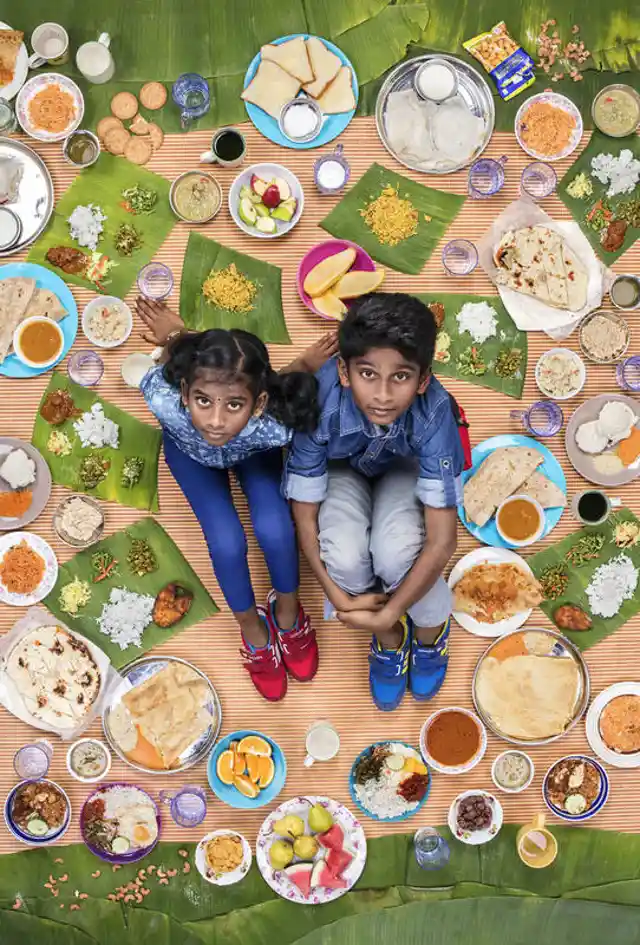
(34, 204)
(134, 675)
(472, 88)
(559, 648)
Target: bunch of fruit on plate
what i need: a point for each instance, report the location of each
(333, 280)
(311, 860)
(247, 765)
(263, 202)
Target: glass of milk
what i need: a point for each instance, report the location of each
(94, 60)
(322, 743)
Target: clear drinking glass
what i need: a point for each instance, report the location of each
(32, 761)
(190, 92)
(459, 257)
(543, 418)
(486, 177)
(628, 373)
(188, 806)
(539, 180)
(155, 281)
(85, 367)
(431, 849)
(331, 172)
(8, 120)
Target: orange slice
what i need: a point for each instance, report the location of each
(253, 767)
(225, 766)
(254, 745)
(245, 786)
(233, 746)
(266, 772)
(239, 763)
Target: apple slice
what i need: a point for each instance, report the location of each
(283, 187)
(258, 184)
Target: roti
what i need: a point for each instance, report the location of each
(536, 261)
(124, 105)
(55, 675)
(15, 296)
(499, 476)
(153, 95)
(46, 303)
(547, 493)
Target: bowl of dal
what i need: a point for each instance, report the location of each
(38, 341)
(195, 197)
(512, 771)
(520, 520)
(453, 740)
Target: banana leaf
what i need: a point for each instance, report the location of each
(507, 338)
(135, 439)
(172, 568)
(579, 578)
(266, 318)
(436, 210)
(102, 185)
(579, 208)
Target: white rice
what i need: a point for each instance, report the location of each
(620, 173)
(381, 799)
(479, 320)
(611, 584)
(85, 225)
(118, 799)
(125, 617)
(94, 429)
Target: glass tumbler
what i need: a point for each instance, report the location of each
(190, 92)
(538, 180)
(543, 418)
(431, 850)
(459, 257)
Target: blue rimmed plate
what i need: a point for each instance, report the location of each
(598, 802)
(550, 467)
(410, 751)
(332, 125)
(54, 833)
(12, 366)
(228, 793)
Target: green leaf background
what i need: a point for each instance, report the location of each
(136, 439)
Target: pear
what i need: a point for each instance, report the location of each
(305, 847)
(280, 854)
(319, 818)
(290, 826)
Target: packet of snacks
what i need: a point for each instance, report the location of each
(510, 67)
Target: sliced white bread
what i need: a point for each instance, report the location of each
(291, 56)
(271, 88)
(325, 65)
(338, 96)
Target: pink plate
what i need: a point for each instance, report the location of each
(362, 263)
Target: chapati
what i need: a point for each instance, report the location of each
(45, 302)
(547, 493)
(498, 477)
(15, 296)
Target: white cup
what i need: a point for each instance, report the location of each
(50, 44)
(322, 743)
(94, 60)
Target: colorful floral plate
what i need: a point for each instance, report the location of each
(49, 578)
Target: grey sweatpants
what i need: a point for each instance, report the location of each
(371, 531)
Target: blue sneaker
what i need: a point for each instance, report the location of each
(429, 664)
(388, 671)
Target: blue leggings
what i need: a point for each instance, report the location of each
(209, 494)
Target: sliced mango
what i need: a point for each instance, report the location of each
(330, 305)
(354, 284)
(323, 276)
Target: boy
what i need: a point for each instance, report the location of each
(374, 491)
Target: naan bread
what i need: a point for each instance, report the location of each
(536, 261)
(55, 675)
(528, 696)
(499, 476)
(538, 487)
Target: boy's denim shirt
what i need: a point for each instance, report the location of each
(426, 431)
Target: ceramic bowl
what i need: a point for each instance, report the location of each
(22, 835)
(579, 363)
(598, 803)
(362, 263)
(228, 793)
(524, 543)
(17, 345)
(453, 769)
(527, 783)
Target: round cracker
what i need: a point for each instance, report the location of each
(116, 140)
(139, 125)
(153, 95)
(138, 150)
(105, 125)
(124, 105)
(156, 134)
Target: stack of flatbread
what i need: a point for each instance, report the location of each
(171, 710)
(10, 43)
(508, 471)
(20, 299)
(537, 261)
(300, 64)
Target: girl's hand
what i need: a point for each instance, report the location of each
(159, 320)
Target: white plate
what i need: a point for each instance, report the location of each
(100, 302)
(559, 101)
(593, 725)
(355, 841)
(266, 172)
(478, 837)
(35, 85)
(49, 578)
(488, 555)
(7, 92)
(567, 352)
(224, 879)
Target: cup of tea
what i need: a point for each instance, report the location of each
(536, 846)
(322, 743)
(50, 44)
(94, 60)
(228, 148)
(593, 507)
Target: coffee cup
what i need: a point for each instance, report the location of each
(593, 507)
(228, 148)
(536, 846)
(50, 44)
(94, 60)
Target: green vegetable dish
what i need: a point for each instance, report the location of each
(127, 239)
(93, 469)
(131, 471)
(141, 559)
(139, 200)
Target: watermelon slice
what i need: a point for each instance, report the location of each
(333, 838)
(300, 874)
(338, 861)
(322, 876)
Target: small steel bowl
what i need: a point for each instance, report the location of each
(625, 308)
(424, 68)
(615, 319)
(14, 220)
(76, 134)
(294, 103)
(618, 86)
(63, 535)
(172, 192)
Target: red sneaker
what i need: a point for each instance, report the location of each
(299, 646)
(264, 665)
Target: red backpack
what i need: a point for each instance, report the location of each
(463, 430)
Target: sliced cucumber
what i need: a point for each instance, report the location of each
(37, 827)
(119, 845)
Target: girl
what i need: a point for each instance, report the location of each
(222, 407)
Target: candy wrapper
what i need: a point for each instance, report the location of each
(510, 67)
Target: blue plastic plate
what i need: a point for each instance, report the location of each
(333, 125)
(550, 468)
(368, 813)
(230, 795)
(45, 279)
